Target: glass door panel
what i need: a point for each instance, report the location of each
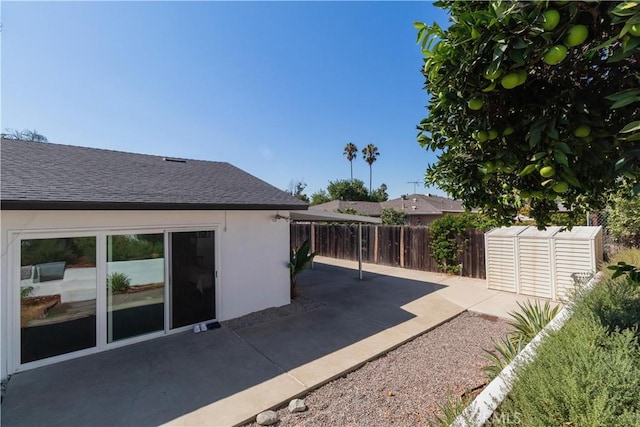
(57, 296)
(192, 285)
(135, 285)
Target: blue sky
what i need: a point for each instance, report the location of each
(275, 88)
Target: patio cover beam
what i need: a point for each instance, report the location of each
(325, 216)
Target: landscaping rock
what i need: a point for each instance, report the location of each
(267, 418)
(297, 405)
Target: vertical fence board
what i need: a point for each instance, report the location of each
(382, 244)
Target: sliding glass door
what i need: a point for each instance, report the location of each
(135, 285)
(192, 286)
(85, 292)
(57, 296)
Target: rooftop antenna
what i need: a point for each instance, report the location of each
(414, 185)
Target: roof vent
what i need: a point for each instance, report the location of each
(414, 207)
(415, 199)
(172, 159)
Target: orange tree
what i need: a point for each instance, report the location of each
(533, 103)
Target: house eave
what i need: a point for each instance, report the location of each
(47, 205)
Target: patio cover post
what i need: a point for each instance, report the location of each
(312, 237)
(360, 250)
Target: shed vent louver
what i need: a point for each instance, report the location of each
(541, 263)
(171, 159)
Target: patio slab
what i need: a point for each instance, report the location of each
(224, 377)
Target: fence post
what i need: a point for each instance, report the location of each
(375, 244)
(401, 246)
(312, 238)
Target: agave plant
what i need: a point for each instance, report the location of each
(299, 260)
(530, 320)
(527, 323)
(504, 352)
(450, 409)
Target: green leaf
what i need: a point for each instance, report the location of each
(519, 43)
(539, 155)
(527, 170)
(561, 158)
(625, 101)
(631, 127)
(623, 94)
(570, 178)
(534, 137)
(419, 25)
(564, 147)
(621, 163)
(631, 138)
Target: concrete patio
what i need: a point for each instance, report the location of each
(224, 377)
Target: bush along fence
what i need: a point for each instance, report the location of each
(398, 246)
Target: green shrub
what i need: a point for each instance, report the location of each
(624, 220)
(118, 282)
(587, 373)
(448, 235)
(391, 216)
(25, 291)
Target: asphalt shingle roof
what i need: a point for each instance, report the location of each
(425, 204)
(35, 175)
(365, 208)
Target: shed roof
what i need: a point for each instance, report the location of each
(48, 176)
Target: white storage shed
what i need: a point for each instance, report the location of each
(540, 263)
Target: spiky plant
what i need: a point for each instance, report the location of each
(299, 260)
(527, 323)
(503, 353)
(530, 320)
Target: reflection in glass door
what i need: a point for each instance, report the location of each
(135, 285)
(192, 285)
(57, 296)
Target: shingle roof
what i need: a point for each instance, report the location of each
(37, 175)
(425, 204)
(365, 208)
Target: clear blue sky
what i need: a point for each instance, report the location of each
(275, 88)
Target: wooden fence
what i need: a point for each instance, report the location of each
(405, 246)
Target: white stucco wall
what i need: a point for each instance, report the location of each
(252, 252)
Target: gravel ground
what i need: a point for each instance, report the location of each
(297, 305)
(404, 387)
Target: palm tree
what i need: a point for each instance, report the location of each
(369, 154)
(350, 150)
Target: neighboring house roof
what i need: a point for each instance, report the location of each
(364, 208)
(425, 204)
(36, 175)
